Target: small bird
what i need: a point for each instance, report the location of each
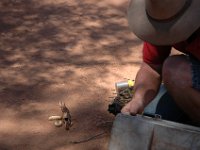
(65, 118)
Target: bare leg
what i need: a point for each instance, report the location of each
(177, 77)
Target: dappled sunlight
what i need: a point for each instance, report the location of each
(64, 50)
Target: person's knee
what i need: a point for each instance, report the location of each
(176, 71)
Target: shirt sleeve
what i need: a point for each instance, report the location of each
(153, 54)
(194, 46)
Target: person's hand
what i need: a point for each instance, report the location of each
(133, 107)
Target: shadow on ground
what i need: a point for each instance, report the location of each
(60, 50)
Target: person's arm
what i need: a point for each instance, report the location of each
(148, 78)
(146, 86)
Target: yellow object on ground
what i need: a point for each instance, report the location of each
(131, 83)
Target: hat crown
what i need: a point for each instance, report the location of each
(164, 9)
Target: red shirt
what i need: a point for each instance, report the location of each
(153, 54)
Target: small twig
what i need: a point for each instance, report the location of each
(104, 123)
(88, 139)
(107, 122)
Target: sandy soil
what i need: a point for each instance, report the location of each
(61, 50)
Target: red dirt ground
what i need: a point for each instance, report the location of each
(61, 50)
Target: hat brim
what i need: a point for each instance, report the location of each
(163, 32)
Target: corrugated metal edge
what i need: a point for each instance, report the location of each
(161, 122)
(151, 122)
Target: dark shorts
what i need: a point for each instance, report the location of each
(166, 107)
(195, 66)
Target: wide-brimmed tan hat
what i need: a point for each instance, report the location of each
(164, 22)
